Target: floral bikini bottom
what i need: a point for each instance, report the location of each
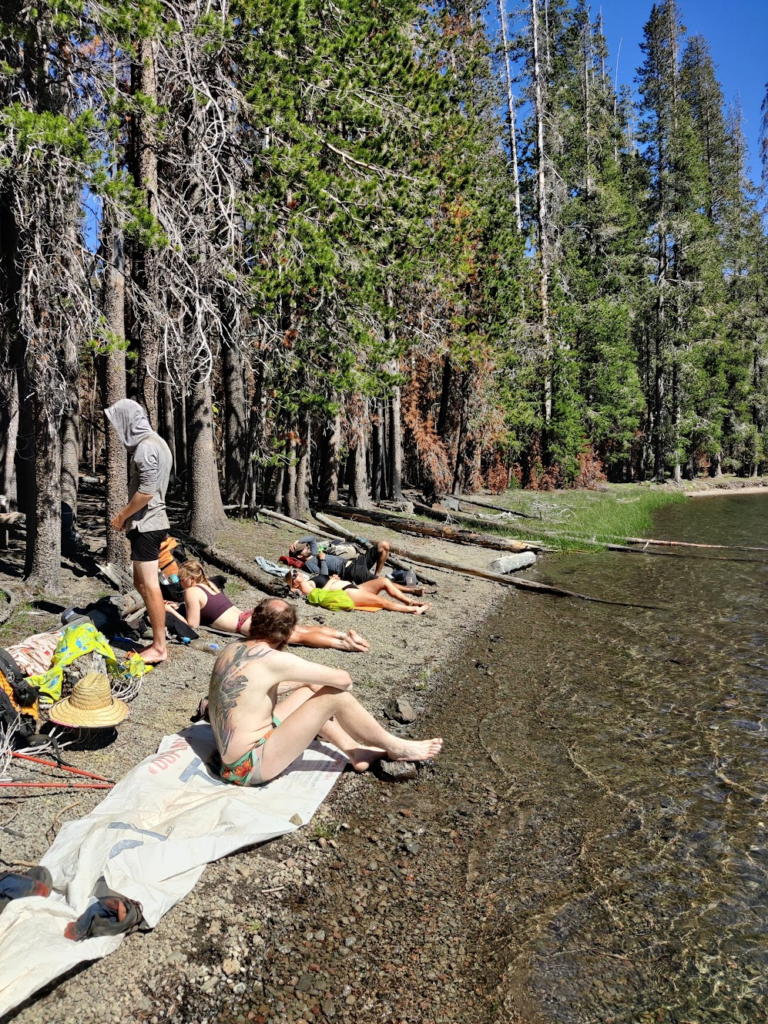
(246, 770)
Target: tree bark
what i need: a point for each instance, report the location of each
(511, 119)
(329, 467)
(70, 435)
(303, 466)
(114, 390)
(396, 446)
(358, 492)
(9, 428)
(541, 210)
(235, 421)
(207, 512)
(166, 426)
(43, 560)
(379, 482)
(144, 263)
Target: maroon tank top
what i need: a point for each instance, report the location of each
(215, 606)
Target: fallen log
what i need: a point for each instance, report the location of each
(444, 532)
(510, 581)
(443, 515)
(305, 527)
(689, 544)
(238, 568)
(496, 508)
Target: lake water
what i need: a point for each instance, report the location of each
(631, 881)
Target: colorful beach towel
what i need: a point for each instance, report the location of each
(74, 643)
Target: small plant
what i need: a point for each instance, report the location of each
(327, 829)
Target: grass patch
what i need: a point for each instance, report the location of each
(578, 520)
(16, 627)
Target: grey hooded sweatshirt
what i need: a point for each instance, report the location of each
(151, 463)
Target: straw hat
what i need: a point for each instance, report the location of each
(90, 705)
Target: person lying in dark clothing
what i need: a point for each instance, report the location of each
(365, 566)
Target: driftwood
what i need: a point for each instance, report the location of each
(443, 532)
(496, 508)
(688, 544)
(11, 519)
(509, 581)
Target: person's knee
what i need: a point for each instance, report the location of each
(384, 547)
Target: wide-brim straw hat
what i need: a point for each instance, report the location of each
(90, 705)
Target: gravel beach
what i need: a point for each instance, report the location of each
(250, 942)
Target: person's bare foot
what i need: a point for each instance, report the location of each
(414, 750)
(419, 609)
(361, 644)
(361, 758)
(152, 655)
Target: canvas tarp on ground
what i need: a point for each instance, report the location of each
(151, 839)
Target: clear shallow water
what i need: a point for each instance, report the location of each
(630, 880)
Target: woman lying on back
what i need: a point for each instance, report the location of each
(206, 605)
(336, 594)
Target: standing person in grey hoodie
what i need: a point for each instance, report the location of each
(144, 518)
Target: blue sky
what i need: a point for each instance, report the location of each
(737, 31)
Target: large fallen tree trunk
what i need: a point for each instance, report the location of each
(510, 581)
(238, 568)
(443, 532)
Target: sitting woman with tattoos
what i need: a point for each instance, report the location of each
(256, 744)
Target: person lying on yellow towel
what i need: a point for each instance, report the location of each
(336, 594)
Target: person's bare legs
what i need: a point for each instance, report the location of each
(326, 637)
(383, 583)
(297, 731)
(371, 600)
(361, 758)
(383, 549)
(145, 581)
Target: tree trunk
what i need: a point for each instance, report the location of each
(166, 426)
(182, 451)
(303, 466)
(511, 120)
(541, 211)
(395, 446)
(379, 481)
(43, 558)
(9, 428)
(329, 467)
(257, 429)
(234, 421)
(459, 472)
(445, 398)
(144, 264)
(114, 390)
(70, 439)
(207, 509)
(358, 494)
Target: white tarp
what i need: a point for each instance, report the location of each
(151, 839)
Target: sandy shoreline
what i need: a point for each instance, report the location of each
(210, 950)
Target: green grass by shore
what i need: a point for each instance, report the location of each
(578, 520)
